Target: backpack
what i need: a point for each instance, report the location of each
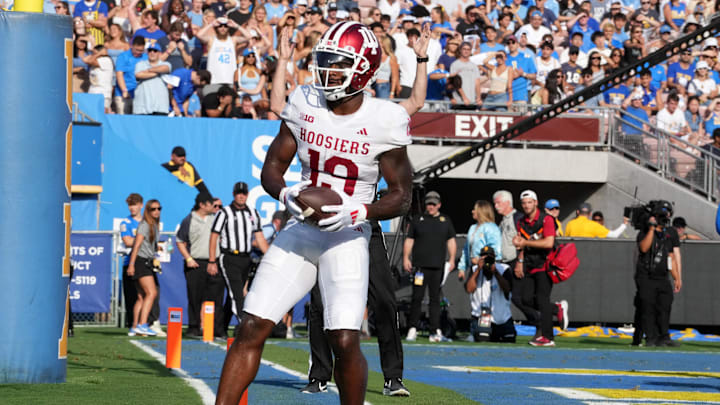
(562, 262)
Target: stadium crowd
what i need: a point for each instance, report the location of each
(216, 58)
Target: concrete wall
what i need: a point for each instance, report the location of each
(603, 288)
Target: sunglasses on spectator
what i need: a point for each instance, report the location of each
(595, 58)
(617, 55)
(217, 206)
(644, 2)
(556, 208)
(560, 76)
(155, 208)
(637, 32)
(152, 50)
(512, 42)
(222, 25)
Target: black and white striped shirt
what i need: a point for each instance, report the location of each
(236, 228)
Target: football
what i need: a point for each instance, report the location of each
(312, 199)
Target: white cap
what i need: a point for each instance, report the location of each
(254, 34)
(710, 42)
(528, 194)
(222, 20)
(409, 18)
(702, 65)
(342, 14)
(301, 3)
(637, 95)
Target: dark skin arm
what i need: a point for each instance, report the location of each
(394, 165)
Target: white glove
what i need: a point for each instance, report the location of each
(287, 197)
(348, 214)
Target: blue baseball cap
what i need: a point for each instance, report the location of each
(405, 11)
(665, 29)
(154, 46)
(248, 51)
(552, 203)
(536, 14)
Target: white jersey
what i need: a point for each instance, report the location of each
(342, 152)
(221, 61)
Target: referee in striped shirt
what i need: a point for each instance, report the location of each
(235, 225)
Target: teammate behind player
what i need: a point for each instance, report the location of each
(344, 140)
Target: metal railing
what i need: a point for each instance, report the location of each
(669, 156)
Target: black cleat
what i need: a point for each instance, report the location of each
(314, 387)
(394, 387)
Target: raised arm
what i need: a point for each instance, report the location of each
(417, 97)
(285, 51)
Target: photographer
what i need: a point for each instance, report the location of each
(656, 243)
(490, 300)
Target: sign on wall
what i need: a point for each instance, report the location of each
(92, 271)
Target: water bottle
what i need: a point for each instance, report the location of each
(169, 246)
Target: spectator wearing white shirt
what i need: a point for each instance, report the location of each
(672, 120)
(407, 61)
(703, 85)
(545, 63)
(390, 7)
(535, 30)
(101, 74)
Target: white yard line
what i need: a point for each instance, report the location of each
(331, 386)
(206, 393)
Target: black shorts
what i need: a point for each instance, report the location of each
(143, 268)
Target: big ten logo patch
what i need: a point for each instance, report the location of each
(258, 198)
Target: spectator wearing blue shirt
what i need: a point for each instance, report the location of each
(616, 95)
(651, 101)
(619, 21)
(524, 68)
(634, 123)
(151, 94)
(150, 31)
(682, 72)
(580, 23)
(440, 26)
(491, 45)
(94, 13)
(659, 76)
(519, 10)
(190, 80)
(712, 120)
(125, 75)
(196, 13)
(275, 10)
(128, 229)
(437, 80)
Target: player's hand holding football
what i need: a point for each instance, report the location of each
(287, 197)
(348, 214)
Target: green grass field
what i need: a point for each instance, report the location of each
(104, 368)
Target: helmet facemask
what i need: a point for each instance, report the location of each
(347, 63)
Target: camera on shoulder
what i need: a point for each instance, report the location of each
(640, 215)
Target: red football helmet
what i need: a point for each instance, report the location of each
(350, 48)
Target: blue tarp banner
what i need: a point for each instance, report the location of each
(91, 282)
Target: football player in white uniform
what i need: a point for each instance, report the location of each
(344, 140)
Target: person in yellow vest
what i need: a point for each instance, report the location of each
(184, 170)
(584, 227)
